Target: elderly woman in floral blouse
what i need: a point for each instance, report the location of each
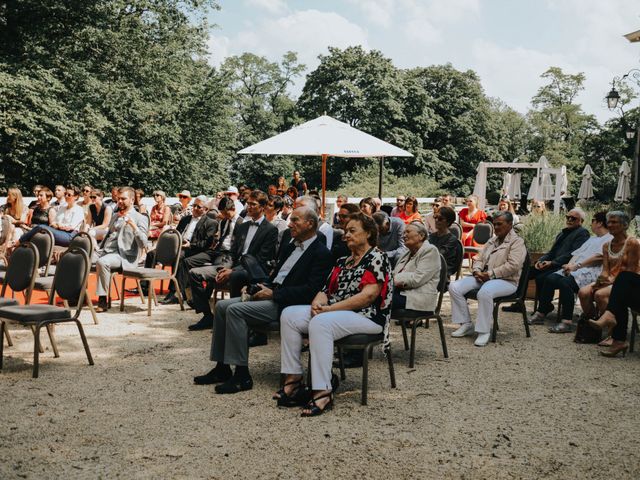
(356, 299)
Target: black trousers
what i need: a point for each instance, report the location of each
(625, 294)
(187, 261)
(568, 288)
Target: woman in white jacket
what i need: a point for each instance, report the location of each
(417, 272)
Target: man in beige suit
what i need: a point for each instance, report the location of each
(496, 273)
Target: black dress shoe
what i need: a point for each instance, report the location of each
(514, 307)
(204, 323)
(132, 291)
(217, 375)
(235, 385)
(169, 300)
(258, 339)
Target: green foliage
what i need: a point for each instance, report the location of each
(116, 93)
(540, 231)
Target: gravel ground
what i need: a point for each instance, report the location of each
(539, 407)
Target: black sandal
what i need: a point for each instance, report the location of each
(299, 394)
(314, 409)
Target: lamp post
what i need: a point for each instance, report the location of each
(613, 97)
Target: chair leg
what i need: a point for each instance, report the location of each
(404, 334)
(36, 350)
(33, 330)
(365, 374)
(3, 331)
(140, 290)
(149, 296)
(52, 339)
(91, 308)
(634, 327)
(122, 296)
(392, 372)
(412, 350)
(155, 298)
(443, 338)
(343, 373)
(494, 330)
(84, 342)
(178, 293)
(8, 337)
(524, 318)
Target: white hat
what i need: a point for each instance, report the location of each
(184, 193)
(232, 189)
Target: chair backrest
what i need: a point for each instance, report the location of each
(70, 280)
(482, 232)
(22, 270)
(459, 259)
(456, 229)
(523, 282)
(84, 241)
(44, 242)
(5, 230)
(442, 283)
(168, 248)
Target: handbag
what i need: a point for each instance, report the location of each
(586, 333)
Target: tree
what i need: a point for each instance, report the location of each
(559, 125)
(262, 108)
(118, 92)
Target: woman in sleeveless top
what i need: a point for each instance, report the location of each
(615, 259)
(39, 214)
(160, 214)
(99, 215)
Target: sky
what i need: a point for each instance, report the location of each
(509, 43)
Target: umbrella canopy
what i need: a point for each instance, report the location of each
(623, 192)
(586, 185)
(534, 189)
(507, 178)
(481, 181)
(514, 187)
(327, 137)
(546, 190)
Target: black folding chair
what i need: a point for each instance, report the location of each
(482, 233)
(518, 297)
(70, 283)
(20, 276)
(412, 318)
(456, 229)
(167, 254)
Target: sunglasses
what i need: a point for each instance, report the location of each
(158, 195)
(182, 196)
(93, 197)
(343, 215)
(571, 218)
(68, 195)
(436, 205)
(86, 191)
(197, 206)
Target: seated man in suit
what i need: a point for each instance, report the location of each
(255, 236)
(122, 245)
(303, 266)
(198, 233)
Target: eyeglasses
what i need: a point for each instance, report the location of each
(68, 194)
(197, 206)
(86, 191)
(571, 218)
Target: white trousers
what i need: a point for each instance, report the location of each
(488, 291)
(323, 329)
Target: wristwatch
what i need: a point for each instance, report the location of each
(579, 265)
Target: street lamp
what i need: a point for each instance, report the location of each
(613, 98)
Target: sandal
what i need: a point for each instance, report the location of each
(293, 399)
(314, 409)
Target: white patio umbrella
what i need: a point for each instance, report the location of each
(546, 191)
(534, 189)
(586, 185)
(327, 137)
(514, 187)
(507, 178)
(480, 187)
(623, 192)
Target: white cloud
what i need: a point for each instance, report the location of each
(271, 6)
(218, 48)
(378, 12)
(307, 32)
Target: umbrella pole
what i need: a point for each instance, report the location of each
(324, 183)
(380, 178)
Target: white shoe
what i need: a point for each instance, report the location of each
(482, 339)
(464, 330)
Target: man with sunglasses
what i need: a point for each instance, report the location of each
(568, 240)
(198, 233)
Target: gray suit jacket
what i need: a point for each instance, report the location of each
(130, 242)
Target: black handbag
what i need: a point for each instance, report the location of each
(586, 333)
